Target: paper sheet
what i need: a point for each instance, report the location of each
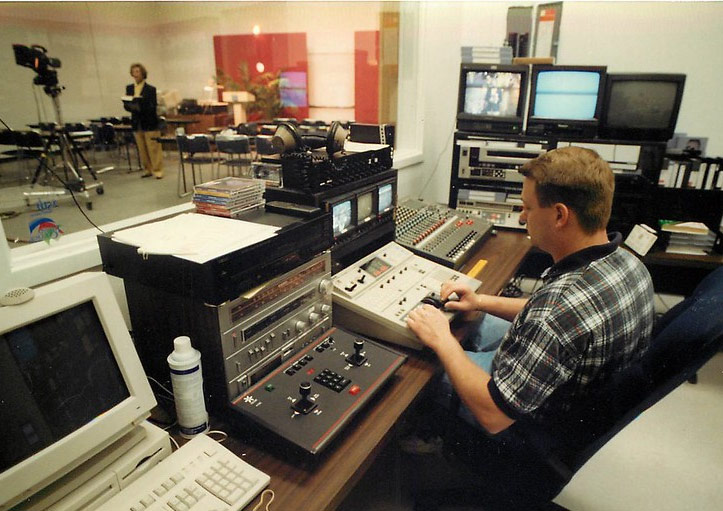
(195, 237)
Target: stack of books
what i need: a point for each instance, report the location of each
(692, 238)
(228, 196)
(486, 54)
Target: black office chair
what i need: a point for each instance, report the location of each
(196, 151)
(543, 460)
(237, 152)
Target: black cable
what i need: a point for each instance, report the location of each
(72, 195)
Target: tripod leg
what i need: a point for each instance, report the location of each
(79, 152)
(43, 162)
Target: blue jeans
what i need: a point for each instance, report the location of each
(481, 341)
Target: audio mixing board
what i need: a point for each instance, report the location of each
(438, 233)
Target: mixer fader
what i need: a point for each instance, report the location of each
(438, 233)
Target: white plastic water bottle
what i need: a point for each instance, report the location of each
(187, 382)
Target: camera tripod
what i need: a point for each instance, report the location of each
(71, 157)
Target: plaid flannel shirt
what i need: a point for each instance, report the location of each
(593, 316)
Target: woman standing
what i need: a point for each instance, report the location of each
(144, 121)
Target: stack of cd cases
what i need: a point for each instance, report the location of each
(228, 196)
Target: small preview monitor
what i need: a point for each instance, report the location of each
(641, 106)
(492, 98)
(385, 197)
(364, 207)
(565, 100)
(341, 214)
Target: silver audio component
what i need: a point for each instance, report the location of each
(500, 208)
(496, 160)
(623, 158)
(270, 323)
(374, 295)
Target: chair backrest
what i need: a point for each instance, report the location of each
(193, 144)
(264, 145)
(234, 144)
(685, 338)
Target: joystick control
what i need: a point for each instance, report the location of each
(357, 358)
(304, 405)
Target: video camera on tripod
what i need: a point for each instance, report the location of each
(36, 58)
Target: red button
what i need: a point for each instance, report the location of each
(354, 390)
(310, 371)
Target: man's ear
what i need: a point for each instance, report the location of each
(562, 214)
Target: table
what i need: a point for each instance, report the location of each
(679, 273)
(322, 484)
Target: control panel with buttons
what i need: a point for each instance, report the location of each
(311, 397)
(434, 231)
(271, 323)
(374, 295)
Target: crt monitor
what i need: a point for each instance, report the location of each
(385, 198)
(565, 100)
(364, 207)
(641, 106)
(492, 98)
(71, 383)
(341, 217)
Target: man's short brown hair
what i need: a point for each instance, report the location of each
(578, 178)
(144, 73)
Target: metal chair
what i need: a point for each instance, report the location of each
(237, 153)
(264, 146)
(196, 151)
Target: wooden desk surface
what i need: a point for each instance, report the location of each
(323, 483)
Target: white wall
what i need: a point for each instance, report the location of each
(676, 37)
(96, 44)
(682, 37)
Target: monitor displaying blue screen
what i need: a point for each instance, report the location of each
(341, 217)
(493, 93)
(566, 95)
(385, 197)
(292, 88)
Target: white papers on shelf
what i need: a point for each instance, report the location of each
(641, 238)
(194, 237)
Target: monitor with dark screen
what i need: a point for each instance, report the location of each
(492, 98)
(641, 106)
(71, 382)
(364, 207)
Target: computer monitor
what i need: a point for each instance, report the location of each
(565, 101)
(341, 217)
(71, 383)
(492, 98)
(641, 106)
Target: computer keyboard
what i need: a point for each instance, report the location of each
(202, 475)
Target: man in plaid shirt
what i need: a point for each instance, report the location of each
(593, 315)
